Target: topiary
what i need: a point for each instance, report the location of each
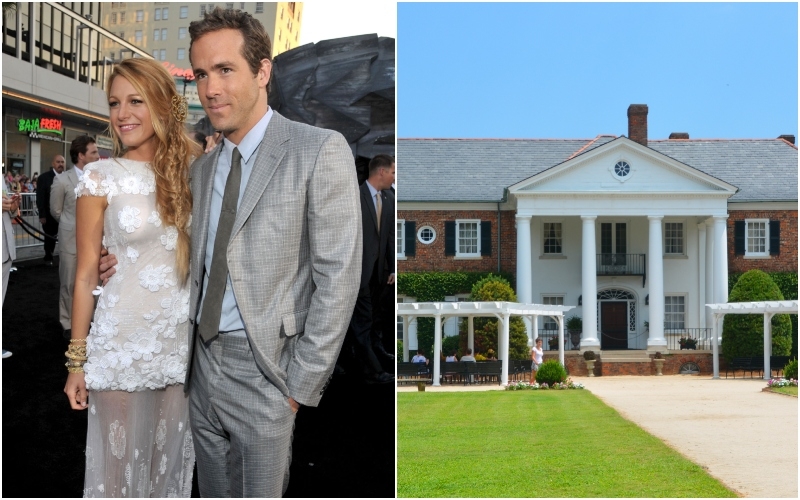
(588, 355)
(550, 372)
(743, 334)
(790, 370)
(495, 288)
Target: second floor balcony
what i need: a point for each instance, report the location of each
(622, 264)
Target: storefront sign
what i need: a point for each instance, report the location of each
(104, 142)
(175, 71)
(38, 125)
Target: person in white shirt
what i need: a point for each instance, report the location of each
(536, 357)
(419, 357)
(468, 356)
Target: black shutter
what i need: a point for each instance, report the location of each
(450, 238)
(486, 238)
(738, 237)
(774, 237)
(411, 238)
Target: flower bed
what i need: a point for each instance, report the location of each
(782, 382)
(525, 386)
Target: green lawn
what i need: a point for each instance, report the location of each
(791, 390)
(534, 444)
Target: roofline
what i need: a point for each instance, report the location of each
(498, 139)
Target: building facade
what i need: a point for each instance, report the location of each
(638, 234)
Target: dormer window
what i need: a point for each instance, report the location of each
(622, 169)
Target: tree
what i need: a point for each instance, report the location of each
(495, 288)
(743, 334)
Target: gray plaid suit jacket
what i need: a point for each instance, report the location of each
(294, 255)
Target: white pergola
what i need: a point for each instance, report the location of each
(768, 309)
(500, 310)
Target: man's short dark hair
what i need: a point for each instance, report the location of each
(380, 161)
(79, 146)
(257, 45)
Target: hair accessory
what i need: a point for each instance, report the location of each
(180, 108)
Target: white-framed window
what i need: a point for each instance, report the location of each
(157, 15)
(165, 13)
(181, 54)
(181, 33)
(139, 16)
(674, 238)
(163, 54)
(122, 17)
(674, 312)
(552, 238)
(756, 243)
(259, 7)
(468, 238)
(113, 18)
(400, 245)
(163, 34)
(549, 323)
(156, 35)
(412, 324)
(184, 13)
(426, 235)
(138, 36)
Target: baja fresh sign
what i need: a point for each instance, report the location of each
(38, 125)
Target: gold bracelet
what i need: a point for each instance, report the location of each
(77, 340)
(75, 369)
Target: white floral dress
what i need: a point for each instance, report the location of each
(138, 443)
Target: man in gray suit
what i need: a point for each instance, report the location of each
(275, 264)
(10, 207)
(82, 151)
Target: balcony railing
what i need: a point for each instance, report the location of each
(622, 264)
(702, 337)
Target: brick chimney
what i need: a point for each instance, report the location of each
(637, 123)
(787, 138)
(679, 135)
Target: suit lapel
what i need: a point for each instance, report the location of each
(269, 156)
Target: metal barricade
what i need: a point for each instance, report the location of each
(30, 214)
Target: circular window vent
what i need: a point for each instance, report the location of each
(622, 169)
(426, 235)
(689, 368)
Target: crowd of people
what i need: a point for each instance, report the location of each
(21, 183)
(230, 280)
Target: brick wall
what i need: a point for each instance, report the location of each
(432, 258)
(786, 261)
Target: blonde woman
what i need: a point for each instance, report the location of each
(127, 366)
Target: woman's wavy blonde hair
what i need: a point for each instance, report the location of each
(174, 152)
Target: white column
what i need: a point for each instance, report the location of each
(504, 356)
(720, 260)
(716, 320)
(500, 338)
(589, 282)
(437, 347)
(471, 334)
(406, 322)
(709, 298)
(655, 276)
(701, 273)
(524, 265)
(767, 345)
(535, 326)
(560, 320)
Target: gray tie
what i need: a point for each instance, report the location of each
(218, 276)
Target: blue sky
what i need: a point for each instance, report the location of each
(570, 70)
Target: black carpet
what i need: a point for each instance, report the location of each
(343, 448)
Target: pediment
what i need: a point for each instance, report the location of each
(622, 166)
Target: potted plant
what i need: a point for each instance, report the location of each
(553, 343)
(658, 359)
(688, 343)
(589, 359)
(575, 328)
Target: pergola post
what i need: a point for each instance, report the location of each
(471, 334)
(406, 321)
(767, 345)
(715, 345)
(560, 320)
(437, 347)
(506, 321)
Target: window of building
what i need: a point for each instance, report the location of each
(229, 6)
(113, 18)
(139, 16)
(181, 54)
(157, 15)
(260, 8)
(138, 35)
(622, 169)
(181, 33)
(165, 13)
(401, 239)
(279, 33)
(468, 238)
(757, 237)
(674, 312)
(202, 9)
(155, 55)
(552, 238)
(184, 12)
(163, 54)
(426, 235)
(163, 34)
(121, 17)
(549, 323)
(673, 238)
(156, 35)
(241, 6)
(281, 12)
(122, 34)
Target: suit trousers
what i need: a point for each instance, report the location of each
(241, 423)
(67, 266)
(362, 325)
(6, 274)
(50, 228)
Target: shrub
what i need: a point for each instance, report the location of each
(588, 355)
(790, 370)
(551, 372)
(449, 344)
(399, 350)
(743, 334)
(574, 323)
(497, 288)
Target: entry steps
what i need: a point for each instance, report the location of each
(629, 356)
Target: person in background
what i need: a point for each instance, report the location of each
(468, 356)
(451, 358)
(10, 209)
(49, 223)
(536, 358)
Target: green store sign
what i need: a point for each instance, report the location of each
(49, 125)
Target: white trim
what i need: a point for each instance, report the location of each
(419, 235)
(685, 296)
(454, 206)
(762, 205)
(470, 255)
(765, 254)
(683, 238)
(548, 220)
(401, 248)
